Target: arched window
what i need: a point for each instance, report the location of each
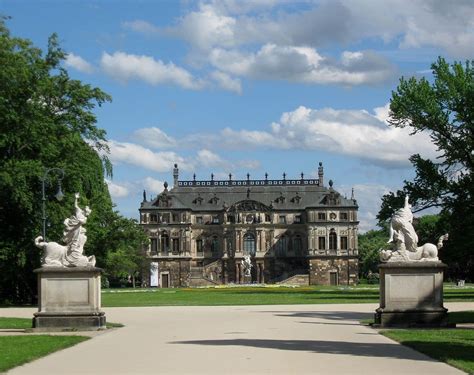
(249, 244)
(332, 240)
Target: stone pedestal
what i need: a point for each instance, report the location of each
(411, 295)
(69, 299)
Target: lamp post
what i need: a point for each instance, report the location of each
(59, 195)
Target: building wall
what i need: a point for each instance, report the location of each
(346, 270)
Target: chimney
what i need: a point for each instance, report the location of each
(175, 176)
(321, 174)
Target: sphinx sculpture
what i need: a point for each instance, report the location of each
(74, 237)
(404, 240)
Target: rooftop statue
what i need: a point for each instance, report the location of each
(74, 237)
(404, 240)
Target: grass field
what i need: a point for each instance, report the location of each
(17, 350)
(453, 346)
(258, 295)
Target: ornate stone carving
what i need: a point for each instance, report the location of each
(404, 240)
(247, 265)
(74, 237)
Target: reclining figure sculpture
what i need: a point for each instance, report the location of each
(74, 237)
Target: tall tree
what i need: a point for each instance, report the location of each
(46, 120)
(444, 109)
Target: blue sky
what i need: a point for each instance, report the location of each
(252, 86)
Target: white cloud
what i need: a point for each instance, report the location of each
(133, 154)
(152, 185)
(226, 82)
(154, 137)
(78, 63)
(117, 190)
(356, 133)
(412, 24)
(141, 27)
(124, 67)
(209, 159)
(369, 199)
(304, 65)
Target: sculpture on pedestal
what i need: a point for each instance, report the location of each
(74, 237)
(405, 240)
(247, 264)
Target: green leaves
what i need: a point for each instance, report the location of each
(444, 109)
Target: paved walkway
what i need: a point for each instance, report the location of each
(296, 339)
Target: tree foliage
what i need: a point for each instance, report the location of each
(369, 245)
(444, 109)
(47, 120)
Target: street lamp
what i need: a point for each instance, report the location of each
(59, 195)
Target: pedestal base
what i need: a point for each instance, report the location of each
(69, 300)
(411, 295)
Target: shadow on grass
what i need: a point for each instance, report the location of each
(385, 350)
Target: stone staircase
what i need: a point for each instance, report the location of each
(300, 280)
(197, 278)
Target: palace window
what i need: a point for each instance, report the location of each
(165, 243)
(281, 246)
(322, 243)
(268, 218)
(154, 245)
(153, 218)
(297, 219)
(249, 244)
(175, 245)
(215, 246)
(298, 245)
(198, 219)
(165, 218)
(282, 219)
(175, 218)
(344, 243)
(321, 215)
(199, 247)
(215, 219)
(343, 216)
(332, 240)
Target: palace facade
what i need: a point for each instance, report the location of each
(294, 230)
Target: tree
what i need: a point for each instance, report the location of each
(126, 241)
(46, 120)
(444, 109)
(369, 245)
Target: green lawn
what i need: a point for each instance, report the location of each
(15, 323)
(17, 350)
(453, 346)
(257, 296)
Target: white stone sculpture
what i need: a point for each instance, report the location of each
(247, 264)
(405, 240)
(74, 237)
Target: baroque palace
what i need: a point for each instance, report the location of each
(296, 231)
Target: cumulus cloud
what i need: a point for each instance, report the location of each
(230, 24)
(124, 67)
(78, 63)
(141, 26)
(226, 82)
(357, 133)
(134, 154)
(369, 199)
(154, 137)
(303, 64)
(117, 190)
(152, 185)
